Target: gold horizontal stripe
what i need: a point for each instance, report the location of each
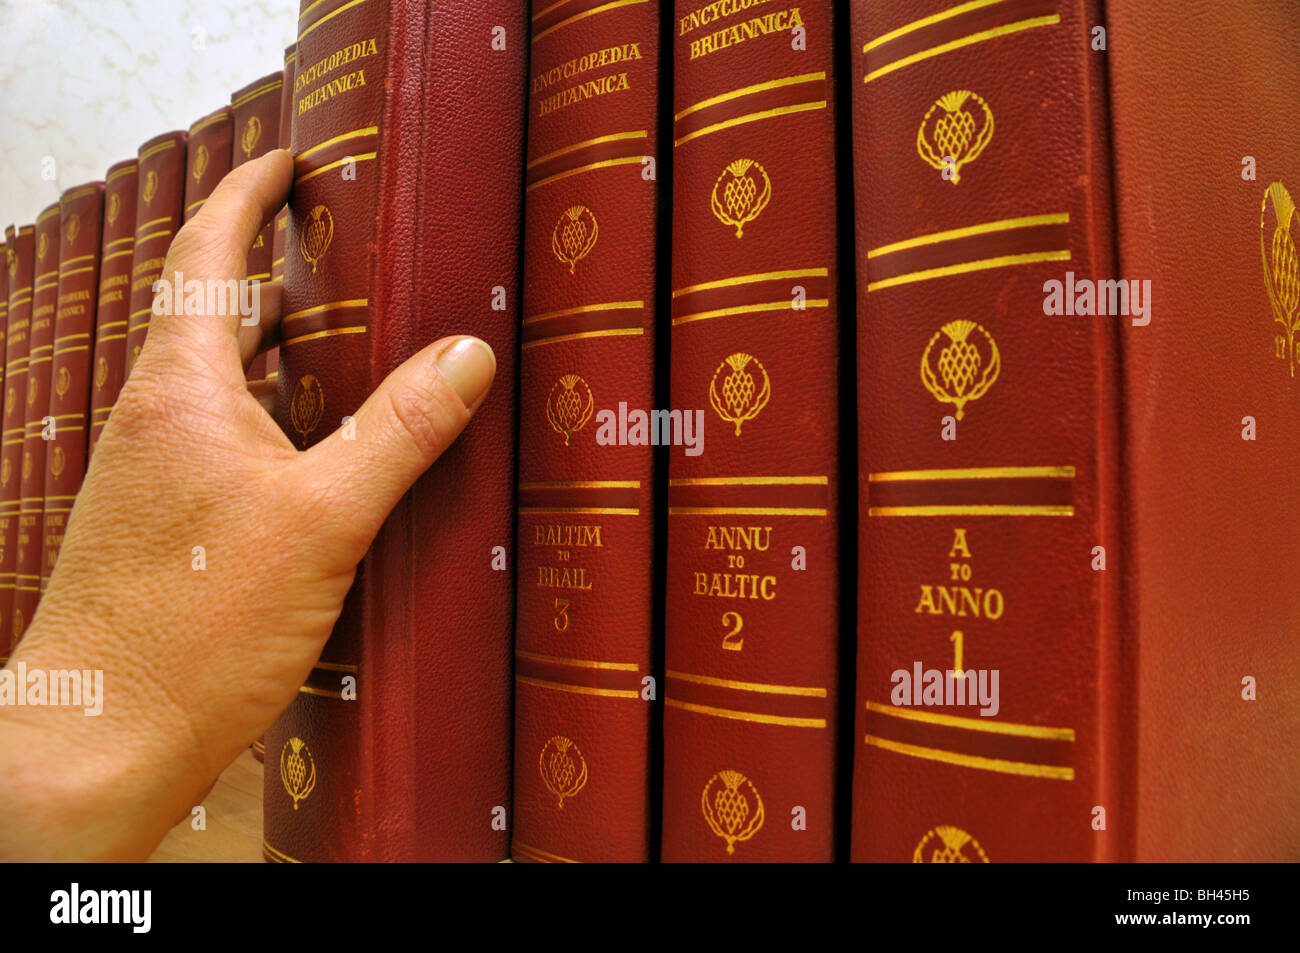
(751, 117)
(582, 485)
(763, 687)
(52, 210)
(341, 137)
(974, 724)
(156, 149)
(321, 692)
(783, 305)
(583, 510)
(43, 347)
(75, 271)
(972, 473)
(20, 298)
(748, 90)
(1048, 771)
(747, 715)
(330, 332)
(603, 8)
(578, 662)
(129, 240)
(534, 853)
(130, 169)
(260, 276)
(279, 856)
(100, 410)
(327, 17)
(78, 194)
(166, 233)
(316, 3)
(745, 511)
(208, 121)
(578, 689)
(119, 254)
(136, 314)
(973, 509)
(983, 264)
(753, 278)
(751, 481)
(961, 42)
(260, 91)
(336, 667)
(985, 228)
(612, 137)
(590, 167)
(927, 21)
(337, 163)
(73, 261)
(151, 223)
(613, 332)
(28, 588)
(58, 509)
(195, 205)
(585, 309)
(111, 337)
(327, 306)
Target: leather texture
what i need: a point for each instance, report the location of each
(585, 526)
(20, 243)
(30, 547)
(159, 196)
(114, 304)
(418, 767)
(751, 630)
(271, 357)
(208, 157)
(1209, 517)
(81, 211)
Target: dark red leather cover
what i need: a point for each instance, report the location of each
(160, 191)
(257, 132)
(272, 356)
(114, 292)
(208, 157)
(6, 583)
(81, 211)
(45, 294)
(586, 532)
(20, 258)
(377, 266)
(1210, 519)
(752, 565)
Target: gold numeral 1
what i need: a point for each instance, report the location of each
(958, 640)
(730, 641)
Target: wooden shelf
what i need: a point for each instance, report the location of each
(234, 821)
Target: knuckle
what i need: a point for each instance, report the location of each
(422, 416)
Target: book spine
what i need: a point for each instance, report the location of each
(160, 195)
(426, 236)
(45, 294)
(272, 356)
(114, 302)
(208, 154)
(585, 518)
(752, 601)
(20, 254)
(981, 428)
(257, 132)
(81, 213)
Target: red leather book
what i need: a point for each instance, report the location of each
(752, 600)
(20, 255)
(160, 194)
(272, 356)
(1099, 535)
(257, 132)
(81, 211)
(586, 533)
(208, 157)
(10, 264)
(114, 304)
(30, 548)
(416, 242)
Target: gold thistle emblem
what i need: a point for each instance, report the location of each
(101, 372)
(58, 460)
(742, 199)
(42, 246)
(566, 411)
(297, 770)
(317, 234)
(31, 390)
(62, 382)
(114, 207)
(201, 163)
(150, 186)
(12, 260)
(1281, 268)
(18, 623)
(563, 768)
(740, 400)
(964, 375)
(732, 807)
(248, 139)
(948, 845)
(73, 229)
(950, 136)
(574, 235)
(27, 464)
(10, 397)
(307, 405)
(6, 471)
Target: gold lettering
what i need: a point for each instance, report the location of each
(782, 21)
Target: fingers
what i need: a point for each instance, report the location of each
(413, 416)
(261, 329)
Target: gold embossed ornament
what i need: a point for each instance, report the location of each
(297, 770)
(201, 159)
(114, 207)
(73, 229)
(150, 186)
(738, 197)
(732, 808)
(316, 236)
(566, 411)
(741, 398)
(946, 844)
(1281, 267)
(574, 235)
(563, 768)
(252, 133)
(963, 374)
(950, 135)
(101, 372)
(307, 405)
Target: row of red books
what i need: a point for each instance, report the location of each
(960, 253)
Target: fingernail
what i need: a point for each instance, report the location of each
(468, 365)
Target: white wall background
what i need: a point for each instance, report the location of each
(86, 81)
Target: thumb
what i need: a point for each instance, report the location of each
(406, 424)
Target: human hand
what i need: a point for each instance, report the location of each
(198, 663)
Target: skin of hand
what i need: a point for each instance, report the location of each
(198, 662)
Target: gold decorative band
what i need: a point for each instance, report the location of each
(755, 717)
(765, 688)
(973, 473)
(603, 8)
(341, 137)
(130, 169)
(611, 332)
(577, 662)
(974, 509)
(326, 18)
(585, 309)
(751, 481)
(587, 143)
(363, 157)
(960, 42)
(749, 90)
(582, 485)
(541, 856)
(969, 231)
(329, 332)
(252, 94)
(745, 511)
(753, 278)
(750, 117)
(974, 724)
(52, 210)
(578, 689)
(1048, 771)
(589, 167)
(155, 149)
(278, 856)
(203, 123)
(582, 510)
(72, 261)
(327, 306)
(965, 267)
